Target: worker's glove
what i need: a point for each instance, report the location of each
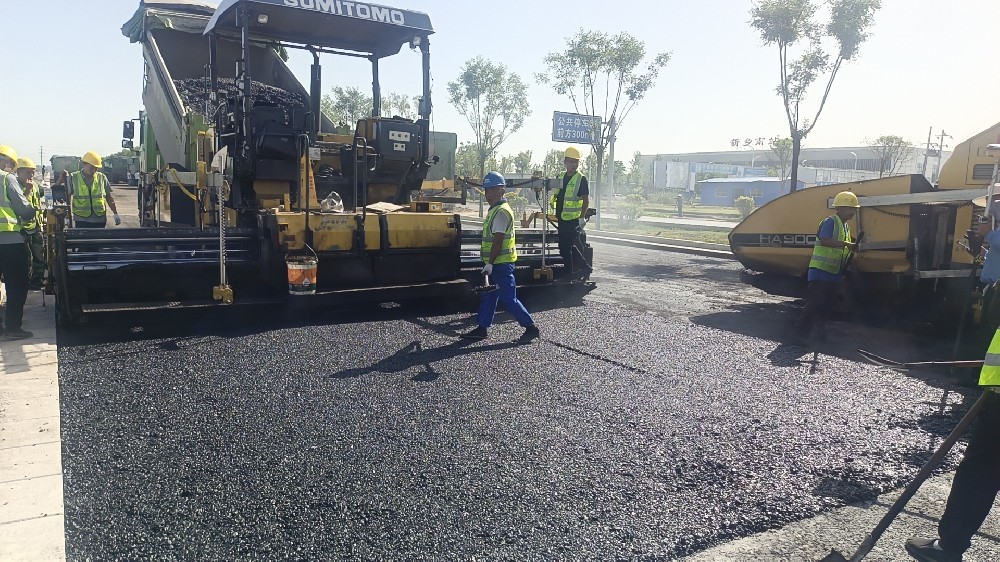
(487, 269)
(583, 223)
(118, 219)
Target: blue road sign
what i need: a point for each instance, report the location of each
(573, 127)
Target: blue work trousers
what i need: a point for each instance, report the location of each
(503, 277)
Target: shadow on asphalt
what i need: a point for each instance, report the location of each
(414, 355)
(177, 326)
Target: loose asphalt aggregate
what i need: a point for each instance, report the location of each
(657, 417)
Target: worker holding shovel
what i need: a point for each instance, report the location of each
(977, 479)
(499, 253)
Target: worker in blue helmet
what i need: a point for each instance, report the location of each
(499, 253)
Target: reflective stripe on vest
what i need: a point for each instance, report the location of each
(8, 218)
(508, 252)
(88, 200)
(35, 202)
(990, 374)
(832, 260)
(572, 203)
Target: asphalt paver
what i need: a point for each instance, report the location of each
(655, 418)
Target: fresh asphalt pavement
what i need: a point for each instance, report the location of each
(659, 415)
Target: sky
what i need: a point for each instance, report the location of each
(927, 64)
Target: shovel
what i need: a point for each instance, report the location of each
(487, 288)
(924, 473)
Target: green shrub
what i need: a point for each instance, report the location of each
(518, 203)
(745, 205)
(631, 209)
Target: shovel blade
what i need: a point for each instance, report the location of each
(834, 556)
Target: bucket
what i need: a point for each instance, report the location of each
(301, 275)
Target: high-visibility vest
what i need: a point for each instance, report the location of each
(9, 222)
(36, 202)
(990, 373)
(828, 259)
(88, 200)
(508, 252)
(572, 203)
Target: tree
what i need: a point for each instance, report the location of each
(891, 151)
(787, 22)
(466, 161)
(522, 162)
(553, 163)
(394, 104)
(781, 149)
(600, 74)
(346, 106)
(349, 105)
(505, 165)
(493, 100)
(640, 176)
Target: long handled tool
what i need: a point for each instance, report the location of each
(969, 364)
(924, 473)
(486, 288)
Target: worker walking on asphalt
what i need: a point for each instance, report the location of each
(14, 209)
(90, 194)
(31, 229)
(499, 253)
(570, 203)
(977, 479)
(831, 253)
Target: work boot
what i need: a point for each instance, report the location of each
(530, 334)
(11, 335)
(480, 333)
(929, 550)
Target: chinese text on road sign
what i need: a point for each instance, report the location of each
(573, 127)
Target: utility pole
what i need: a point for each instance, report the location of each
(611, 156)
(927, 149)
(941, 146)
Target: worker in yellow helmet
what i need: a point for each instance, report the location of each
(14, 209)
(570, 202)
(831, 253)
(31, 229)
(90, 194)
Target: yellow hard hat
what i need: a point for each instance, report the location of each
(25, 162)
(8, 152)
(572, 152)
(92, 158)
(846, 199)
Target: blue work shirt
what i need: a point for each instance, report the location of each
(826, 230)
(991, 265)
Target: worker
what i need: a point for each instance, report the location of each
(31, 229)
(570, 203)
(499, 254)
(90, 194)
(14, 209)
(977, 479)
(830, 256)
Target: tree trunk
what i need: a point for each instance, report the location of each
(793, 181)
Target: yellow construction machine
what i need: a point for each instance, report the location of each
(919, 242)
(248, 192)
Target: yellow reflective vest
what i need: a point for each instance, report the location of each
(89, 200)
(572, 202)
(508, 252)
(8, 218)
(990, 374)
(832, 260)
(35, 201)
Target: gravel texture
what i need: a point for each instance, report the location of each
(194, 92)
(637, 429)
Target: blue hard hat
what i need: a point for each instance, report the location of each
(493, 179)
